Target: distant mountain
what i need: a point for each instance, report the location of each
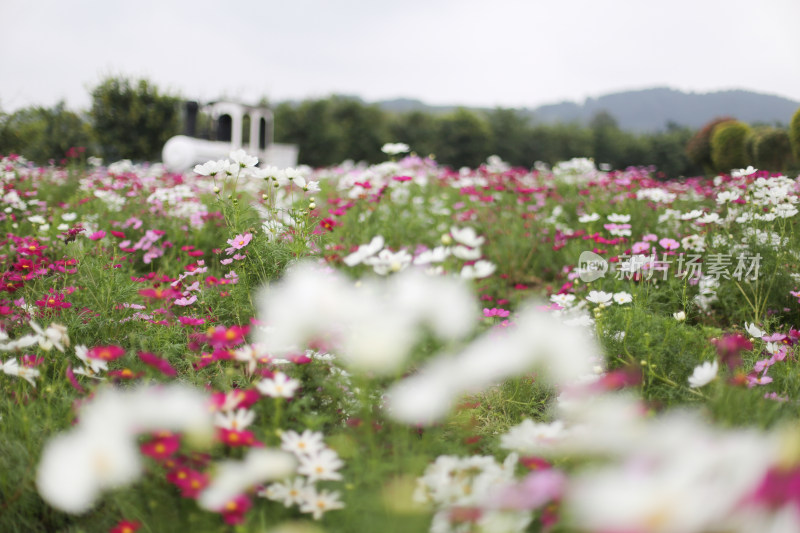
(406, 105)
(649, 109)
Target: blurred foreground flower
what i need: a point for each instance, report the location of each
(372, 325)
(101, 451)
(539, 341)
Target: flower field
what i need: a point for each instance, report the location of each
(400, 347)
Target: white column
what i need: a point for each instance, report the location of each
(236, 127)
(255, 119)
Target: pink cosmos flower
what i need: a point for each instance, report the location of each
(183, 302)
(97, 235)
(537, 489)
(162, 447)
(222, 337)
(106, 353)
(729, 348)
(162, 365)
(774, 396)
(54, 301)
(753, 380)
(191, 321)
(233, 512)
(238, 242)
(126, 526)
(495, 312)
(669, 244)
(190, 482)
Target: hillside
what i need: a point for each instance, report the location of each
(649, 109)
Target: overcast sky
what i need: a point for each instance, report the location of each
(512, 53)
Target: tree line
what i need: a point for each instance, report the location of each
(132, 119)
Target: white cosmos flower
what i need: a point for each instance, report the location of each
(435, 255)
(12, 368)
(467, 237)
(241, 159)
(466, 254)
(529, 437)
(704, 374)
(54, 336)
(211, 168)
(742, 172)
(695, 213)
(321, 466)
(727, 196)
(753, 330)
(680, 316)
(563, 299)
(306, 443)
(785, 210)
(318, 503)
(387, 261)
(93, 366)
(589, 218)
(599, 297)
(21, 342)
(279, 386)
(623, 297)
(709, 218)
(232, 478)
(288, 492)
(618, 219)
(234, 420)
(481, 269)
(394, 148)
(292, 174)
(365, 251)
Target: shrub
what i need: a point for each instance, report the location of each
(771, 149)
(794, 134)
(699, 147)
(728, 146)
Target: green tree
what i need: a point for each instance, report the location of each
(363, 130)
(132, 119)
(417, 129)
(509, 131)
(464, 139)
(667, 152)
(606, 139)
(312, 128)
(561, 142)
(728, 146)
(42, 134)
